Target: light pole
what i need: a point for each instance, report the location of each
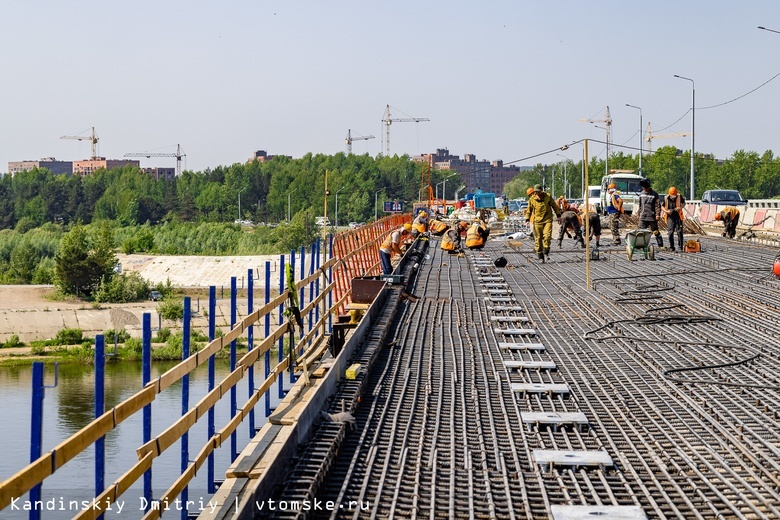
(239, 204)
(566, 187)
(444, 188)
(376, 194)
(693, 128)
(288, 203)
(337, 206)
(640, 136)
(457, 192)
(770, 30)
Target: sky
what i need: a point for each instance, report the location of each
(499, 79)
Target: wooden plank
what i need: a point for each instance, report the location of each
(251, 357)
(234, 334)
(25, 479)
(212, 348)
(84, 438)
(231, 380)
(208, 401)
(175, 373)
(132, 404)
(124, 482)
(245, 463)
(173, 433)
(230, 427)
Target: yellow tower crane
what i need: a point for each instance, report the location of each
(356, 138)
(387, 120)
(92, 138)
(649, 136)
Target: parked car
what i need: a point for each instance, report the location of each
(323, 221)
(353, 225)
(155, 296)
(723, 197)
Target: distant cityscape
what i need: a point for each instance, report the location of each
(490, 176)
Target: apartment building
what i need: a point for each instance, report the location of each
(50, 163)
(490, 176)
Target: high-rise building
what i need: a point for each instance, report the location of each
(89, 166)
(50, 163)
(490, 176)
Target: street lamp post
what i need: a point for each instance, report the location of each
(693, 128)
(566, 187)
(337, 206)
(640, 136)
(376, 195)
(239, 204)
(457, 192)
(444, 188)
(288, 203)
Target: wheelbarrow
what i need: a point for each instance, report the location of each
(639, 240)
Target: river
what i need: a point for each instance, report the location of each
(70, 405)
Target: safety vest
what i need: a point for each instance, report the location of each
(473, 238)
(437, 227)
(448, 241)
(420, 224)
(677, 208)
(392, 238)
(730, 211)
(615, 203)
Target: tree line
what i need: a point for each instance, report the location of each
(755, 176)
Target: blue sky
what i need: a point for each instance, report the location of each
(503, 80)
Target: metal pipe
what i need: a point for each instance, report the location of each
(146, 376)
(210, 429)
(100, 408)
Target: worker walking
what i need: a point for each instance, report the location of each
(450, 241)
(391, 246)
(650, 210)
(730, 217)
(672, 208)
(540, 211)
(615, 211)
(477, 235)
(570, 220)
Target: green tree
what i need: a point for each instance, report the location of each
(84, 262)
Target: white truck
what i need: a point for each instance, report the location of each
(594, 198)
(627, 184)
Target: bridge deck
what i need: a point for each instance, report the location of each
(661, 387)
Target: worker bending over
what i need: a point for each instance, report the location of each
(594, 223)
(437, 227)
(570, 220)
(450, 241)
(420, 224)
(730, 217)
(477, 235)
(392, 246)
(672, 209)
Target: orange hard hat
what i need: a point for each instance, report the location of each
(718, 216)
(672, 191)
(611, 186)
(529, 191)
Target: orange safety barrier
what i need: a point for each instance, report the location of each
(358, 250)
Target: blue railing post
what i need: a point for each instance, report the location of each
(267, 333)
(212, 376)
(185, 402)
(146, 376)
(281, 320)
(233, 389)
(250, 338)
(36, 431)
(100, 408)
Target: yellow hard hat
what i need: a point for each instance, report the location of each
(423, 214)
(407, 227)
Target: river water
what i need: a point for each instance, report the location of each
(70, 406)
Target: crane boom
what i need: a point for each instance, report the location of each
(649, 136)
(178, 154)
(350, 138)
(92, 138)
(387, 120)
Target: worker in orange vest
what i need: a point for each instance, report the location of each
(477, 235)
(730, 217)
(437, 227)
(391, 246)
(672, 210)
(420, 224)
(450, 241)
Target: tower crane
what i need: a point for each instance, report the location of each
(649, 136)
(178, 154)
(356, 138)
(608, 127)
(387, 120)
(92, 138)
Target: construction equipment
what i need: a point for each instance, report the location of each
(178, 154)
(387, 120)
(639, 239)
(357, 138)
(649, 136)
(92, 138)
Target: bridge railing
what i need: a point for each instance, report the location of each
(352, 253)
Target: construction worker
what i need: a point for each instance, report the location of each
(615, 211)
(594, 223)
(569, 220)
(392, 245)
(650, 210)
(437, 227)
(730, 217)
(540, 211)
(420, 224)
(477, 235)
(672, 209)
(450, 241)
